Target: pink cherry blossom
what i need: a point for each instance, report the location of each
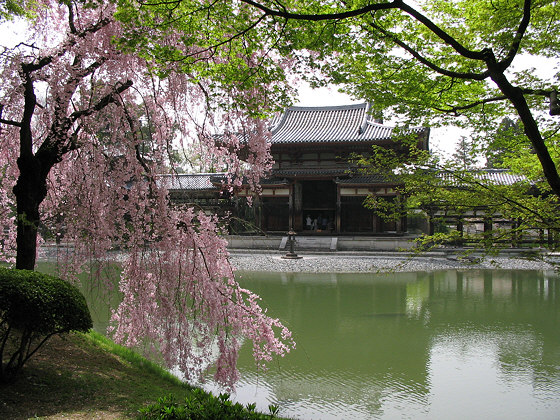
(85, 130)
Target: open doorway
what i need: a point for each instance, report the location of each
(319, 206)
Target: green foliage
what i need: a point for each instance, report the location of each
(11, 8)
(202, 406)
(215, 44)
(34, 307)
(433, 62)
(453, 192)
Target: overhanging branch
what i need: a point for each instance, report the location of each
(505, 63)
(425, 61)
(455, 109)
(102, 103)
(317, 17)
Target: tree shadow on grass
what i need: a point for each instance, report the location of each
(71, 377)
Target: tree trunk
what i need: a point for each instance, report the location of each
(30, 191)
(515, 95)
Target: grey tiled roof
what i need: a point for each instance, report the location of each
(365, 179)
(309, 172)
(495, 176)
(190, 181)
(332, 124)
(274, 181)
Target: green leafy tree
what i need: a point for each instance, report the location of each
(502, 209)
(500, 146)
(465, 154)
(431, 61)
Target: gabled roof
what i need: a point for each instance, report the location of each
(330, 124)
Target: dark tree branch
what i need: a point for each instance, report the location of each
(428, 63)
(102, 103)
(56, 144)
(395, 4)
(7, 122)
(455, 109)
(530, 127)
(317, 17)
(538, 92)
(71, 19)
(440, 33)
(506, 62)
(10, 122)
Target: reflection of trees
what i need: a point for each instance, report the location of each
(518, 311)
(376, 330)
(349, 329)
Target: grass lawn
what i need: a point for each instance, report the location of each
(80, 376)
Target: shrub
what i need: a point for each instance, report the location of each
(202, 406)
(33, 308)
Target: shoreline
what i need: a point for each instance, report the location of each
(369, 262)
(376, 263)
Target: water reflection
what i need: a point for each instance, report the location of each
(418, 345)
(452, 344)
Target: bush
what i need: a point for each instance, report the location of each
(203, 406)
(33, 308)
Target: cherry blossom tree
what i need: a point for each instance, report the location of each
(85, 132)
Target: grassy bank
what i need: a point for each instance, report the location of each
(86, 376)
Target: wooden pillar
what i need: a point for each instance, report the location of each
(401, 222)
(291, 208)
(398, 225)
(257, 202)
(487, 221)
(375, 223)
(338, 210)
(488, 224)
(517, 236)
(297, 213)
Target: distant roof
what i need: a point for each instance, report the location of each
(330, 124)
(190, 181)
(211, 181)
(365, 179)
(309, 172)
(495, 176)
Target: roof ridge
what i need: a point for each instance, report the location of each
(327, 107)
(194, 174)
(365, 120)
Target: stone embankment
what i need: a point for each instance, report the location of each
(365, 262)
(399, 262)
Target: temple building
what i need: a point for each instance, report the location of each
(315, 189)
(313, 186)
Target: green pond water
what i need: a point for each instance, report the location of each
(443, 345)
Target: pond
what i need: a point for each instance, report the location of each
(449, 344)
